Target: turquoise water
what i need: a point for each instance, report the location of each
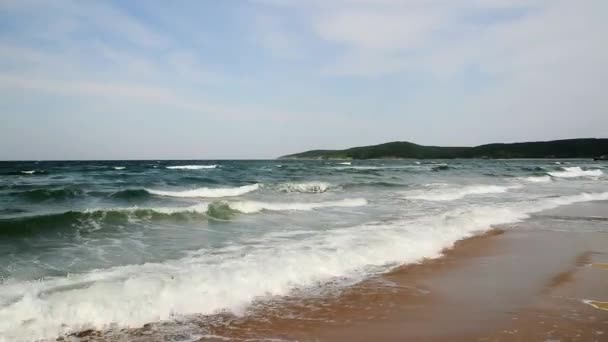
(123, 243)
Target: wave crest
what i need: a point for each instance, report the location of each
(207, 192)
(308, 187)
(575, 172)
(191, 167)
(249, 207)
(537, 179)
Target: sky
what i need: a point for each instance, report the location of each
(240, 79)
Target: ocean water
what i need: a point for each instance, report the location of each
(113, 244)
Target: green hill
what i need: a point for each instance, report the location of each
(570, 148)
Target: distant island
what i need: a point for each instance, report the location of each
(569, 148)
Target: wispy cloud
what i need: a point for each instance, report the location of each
(311, 73)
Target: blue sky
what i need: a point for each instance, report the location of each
(262, 78)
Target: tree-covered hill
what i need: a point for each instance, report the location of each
(570, 148)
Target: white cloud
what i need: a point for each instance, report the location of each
(379, 30)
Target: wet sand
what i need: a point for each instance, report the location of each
(512, 284)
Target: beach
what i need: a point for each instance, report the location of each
(441, 250)
(513, 284)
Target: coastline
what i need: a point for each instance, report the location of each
(514, 284)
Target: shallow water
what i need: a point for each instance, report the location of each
(98, 243)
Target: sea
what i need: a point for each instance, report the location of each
(108, 245)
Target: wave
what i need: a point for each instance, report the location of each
(372, 184)
(575, 172)
(131, 194)
(308, 187)
(413, 168)
(451, 194)
(119, 167)
(537, 179)
(345, 163)
(24, 172)
(38, 195)
(440, 168)
(248, 207)
(230, 278)
(533, 168)
(91, 218)
(207, 192)
(191, 167)
(357, 167)
(224, 210)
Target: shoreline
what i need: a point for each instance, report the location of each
(505, 285)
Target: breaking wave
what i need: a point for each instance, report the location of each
(248, 207)
(575, 172)
(207, 192)
(46, 223)
(537, 179)
(191, 167)
(230, 278)
(308, 187)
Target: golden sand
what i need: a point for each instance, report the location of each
(600, 265)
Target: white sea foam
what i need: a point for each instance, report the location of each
(356, 167)
(191, 167)
(249, 207)
(245, 207)
(451, 194)
(119, 167)
(207, 192)
(537, 179)
(230, 278)
(345, 163)
(29, 172)
(575, 172)
(308, 187)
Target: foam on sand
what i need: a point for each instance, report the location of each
(575, 172)
(451, 194)
(231, 278)
(191, 167)
(207, 192)
(597, 304)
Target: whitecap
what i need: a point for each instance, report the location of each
(308, 187)
(191, 167)
(537, 179)
(207, 192)
(575, 172)
(249, 207)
